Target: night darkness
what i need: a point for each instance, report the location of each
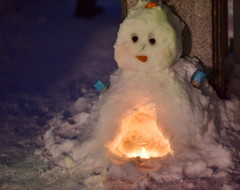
(49, 57)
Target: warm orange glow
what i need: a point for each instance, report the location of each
(139, 137)
(142, 58)
(144, 153)
(151, 5)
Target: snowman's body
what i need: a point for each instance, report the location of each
(147, 45)
(159, 96)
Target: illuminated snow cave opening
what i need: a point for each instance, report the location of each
(139, 136)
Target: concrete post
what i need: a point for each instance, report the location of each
(124, 8)
(236, 24)
(220, 45)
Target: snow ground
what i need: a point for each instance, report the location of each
(48, 58)
(49, 61)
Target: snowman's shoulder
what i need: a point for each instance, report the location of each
(184, 69)
(116, 75)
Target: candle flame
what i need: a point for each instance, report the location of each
(144, 153)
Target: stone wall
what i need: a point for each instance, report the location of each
(236, 21)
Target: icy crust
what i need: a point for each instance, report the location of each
(199, 153)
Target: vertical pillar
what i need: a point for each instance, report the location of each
(126, 4)
(124, 8)
(236, 25)
(220, 45)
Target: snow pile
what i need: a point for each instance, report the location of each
(205, 158)
(192, 119)
(68, 129)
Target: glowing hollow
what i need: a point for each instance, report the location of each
(139, 136)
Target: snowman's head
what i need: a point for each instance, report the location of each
(149, 39)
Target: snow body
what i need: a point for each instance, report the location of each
(139, 86)
(153, 87)
(135, 92)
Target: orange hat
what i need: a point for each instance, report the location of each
(151, 5)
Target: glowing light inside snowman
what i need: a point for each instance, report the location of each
(139, 136)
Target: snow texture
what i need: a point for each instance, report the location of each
(193, 119)
(49, 61)
(202, 157)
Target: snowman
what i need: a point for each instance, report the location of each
(145, 115)
(151, 121)
(149, 117)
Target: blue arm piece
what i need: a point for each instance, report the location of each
(198, 77)
(100, 86)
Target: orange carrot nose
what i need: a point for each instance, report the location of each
(142, 58)
(151, 5)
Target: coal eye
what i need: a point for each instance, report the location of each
(152, 41)
(134, 39)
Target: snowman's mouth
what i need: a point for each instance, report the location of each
(142, 58)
